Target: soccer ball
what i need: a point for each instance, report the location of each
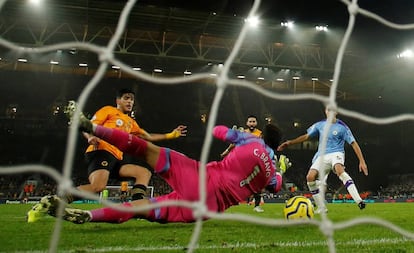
(298, 207)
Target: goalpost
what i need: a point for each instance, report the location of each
(114, 192)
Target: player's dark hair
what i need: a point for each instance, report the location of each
(272, 135)
(121, 92)
(251, 116)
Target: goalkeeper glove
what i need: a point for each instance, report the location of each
(284, 164)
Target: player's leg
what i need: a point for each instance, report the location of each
(105, 214)
(248, 200)
(98, 180)
(100, 165)
(129, 144)
(349, 184)
(314, 189)
(163, 214)
(257, 199)
(183, 176)
(142, 177)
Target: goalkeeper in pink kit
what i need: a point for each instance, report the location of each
(246, 170)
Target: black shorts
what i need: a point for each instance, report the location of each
(103, 160)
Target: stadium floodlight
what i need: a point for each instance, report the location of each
(54, 62)
(406, 54)
(83, 65)
(314, 79)
(22, 60)
(136, 68)
(295, 77)
(288, 24)
(322, 28)
(241, 77)
(158, 70)
(115, 67)
(252, 21)
(187, 72)
(35, 2)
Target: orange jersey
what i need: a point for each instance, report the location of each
(256, 132)
(111, 117)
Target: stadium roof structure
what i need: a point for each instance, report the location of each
(173, 39)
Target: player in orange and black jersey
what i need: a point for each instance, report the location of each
(106, 161)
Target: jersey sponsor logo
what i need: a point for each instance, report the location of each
(119, 122)
(252, 175)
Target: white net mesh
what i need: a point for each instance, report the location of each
(222, 81)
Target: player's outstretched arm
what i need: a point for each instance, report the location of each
(179, 131)
(227, 150)
(287, 143)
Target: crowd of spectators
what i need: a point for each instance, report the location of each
(399, 186)
(20, 187)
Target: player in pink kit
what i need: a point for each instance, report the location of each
(246, 170)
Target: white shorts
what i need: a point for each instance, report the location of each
(328, 162)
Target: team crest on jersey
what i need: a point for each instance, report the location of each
(104, 163)
(119, 122)
(335, 132)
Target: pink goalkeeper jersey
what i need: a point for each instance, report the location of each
(247, 169)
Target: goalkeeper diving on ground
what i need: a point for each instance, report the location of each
(248, 169)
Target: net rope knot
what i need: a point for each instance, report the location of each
(353, 8)
(106, 56)
(65, 185)
(327, 228)
(200, 210)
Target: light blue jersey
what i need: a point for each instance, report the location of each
(338, 134)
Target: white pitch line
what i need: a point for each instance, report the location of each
(241, 245)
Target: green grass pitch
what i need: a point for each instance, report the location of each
(217, 236)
